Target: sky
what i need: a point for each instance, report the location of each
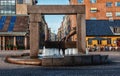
(53, 21)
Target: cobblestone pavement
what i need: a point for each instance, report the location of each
(112, 69)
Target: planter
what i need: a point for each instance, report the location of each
(7, 49)
(14, 47)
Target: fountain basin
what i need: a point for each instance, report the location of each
(75, 60)
(24, 60)
(68, 60)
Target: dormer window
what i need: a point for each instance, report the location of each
(116, 29)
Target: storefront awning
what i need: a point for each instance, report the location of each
(97, 38)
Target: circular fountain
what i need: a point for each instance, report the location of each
(25, 58)
(55, 57)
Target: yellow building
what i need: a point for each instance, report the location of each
(103, 33)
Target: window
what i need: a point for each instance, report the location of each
(89, 41)
(93, 18)
(111, 19)
(109, 41)
(109, 4)
(117, 14)
(20, 1)
(117, 3)
(20, 42)
(116, 29)
(92, 1)
(109, 14)
(27, 1)
(80, 1)
(93, 10)
(9, 41)
(7, 7)
(99, 41)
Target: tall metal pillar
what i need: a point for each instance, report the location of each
(81, 33)
(34, 34)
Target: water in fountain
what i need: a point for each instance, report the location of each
(75, 51)
(50, 52)
(71, 51)
(55, 52)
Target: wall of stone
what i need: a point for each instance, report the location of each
(21, 9)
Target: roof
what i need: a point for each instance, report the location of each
(13, 23)
(100, 27)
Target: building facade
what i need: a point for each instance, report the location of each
(14, 24)
(102, 22)
(64, 28)
(13, 7)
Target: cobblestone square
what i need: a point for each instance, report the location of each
(112, 69)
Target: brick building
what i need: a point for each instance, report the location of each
(102, 21)
(64, 28)
(14, 24)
